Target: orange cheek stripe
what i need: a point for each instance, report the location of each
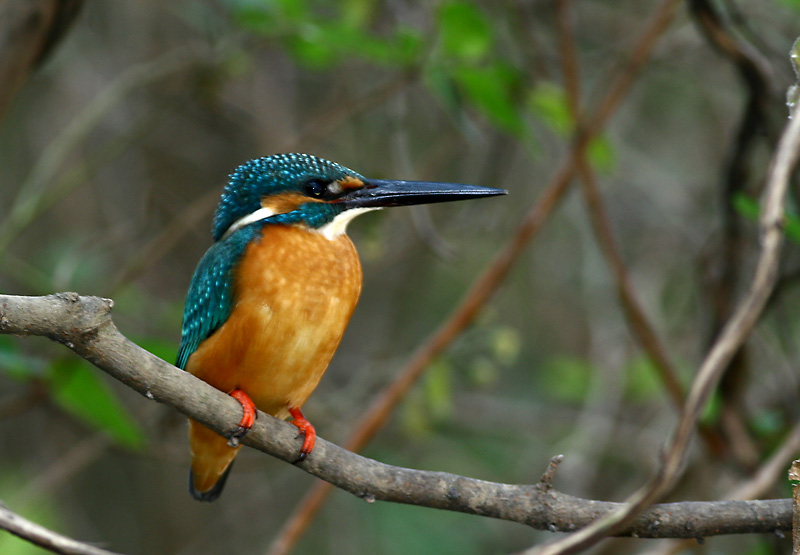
(351, 183)
(285, 202)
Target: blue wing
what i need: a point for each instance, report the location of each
(210, 298)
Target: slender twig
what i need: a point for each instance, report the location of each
(84, 325)
(60, 471)
(547, 478)
(322, 124)
(43, 537)
(640, 325)
(759, 485)
(33, 192)
(733, 334)
(165, 240)
(725, 279)
(638, 322)
(771, 470)
(30, 30)
(488, 282)
(569, 57)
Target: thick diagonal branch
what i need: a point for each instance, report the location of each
(84, 325)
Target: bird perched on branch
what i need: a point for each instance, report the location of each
(270, 300)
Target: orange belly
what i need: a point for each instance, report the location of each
(295, 292)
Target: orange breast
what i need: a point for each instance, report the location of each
(295, 292)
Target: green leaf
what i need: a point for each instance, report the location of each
(438, 389)
(401, 48)
(602, 154)
(312, 47)
(432, 401)
(746, 206)
(750, 209)
(464, 31)
(78, 390)
(767, 423)
(165, 350)
(762, 546)
(357, 12)
(794, 4)
(414, 418)
(13, 483)
(15, 364)
(405, 47)
(293, 10)
(712, 410)
(791, 227)
(506, 344)
(566, 378)
(483, 372)
(549, 102)
(268, 17)
(491, 90)
(641, 380)
(257, 20)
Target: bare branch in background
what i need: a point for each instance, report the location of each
(727, 261)
(29, 30)
(759, 485)
(41, 536)
(638, 322)
(36, 193)
(725, 347)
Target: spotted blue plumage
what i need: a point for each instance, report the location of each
(209, 300)
(210, 297)
(272, 175)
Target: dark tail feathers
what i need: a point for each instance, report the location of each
(214, 492)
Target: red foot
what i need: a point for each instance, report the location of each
(249, 410)
(307, 430)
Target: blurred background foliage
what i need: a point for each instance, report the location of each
(115, 151)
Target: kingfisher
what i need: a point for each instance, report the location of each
(271, 298)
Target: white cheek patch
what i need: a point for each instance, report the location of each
(338, 226)
(260, 214)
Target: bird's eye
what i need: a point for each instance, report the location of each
(316, 188)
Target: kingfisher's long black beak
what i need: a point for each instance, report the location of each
(379, 193)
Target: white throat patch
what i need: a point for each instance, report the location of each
(260, 214)
(330, 231)
(338, 226)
